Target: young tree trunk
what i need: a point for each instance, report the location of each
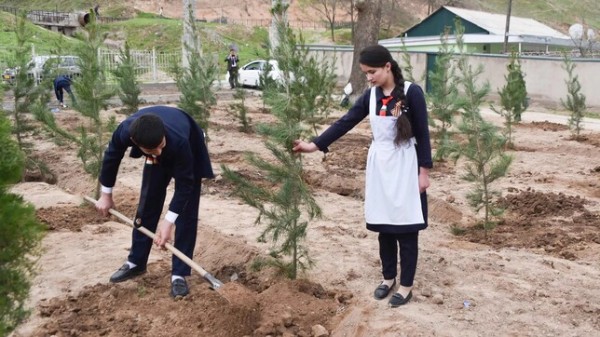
(186, 39)
(365, 34)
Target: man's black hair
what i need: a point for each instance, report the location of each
(147, 131)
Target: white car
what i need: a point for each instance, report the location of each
(63, 65)
(249, 74)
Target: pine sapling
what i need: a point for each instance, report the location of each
(444, 100)
(287, 205)
(513, 97)
(20, 235)
(483, 147)
(408, 68)
(195, 81)
(93, 93)
(129, 86)
(575, 102)
(239, 110)
(25, 92)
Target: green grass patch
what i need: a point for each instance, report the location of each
(42, 42)
(147, 33)
(457, 231)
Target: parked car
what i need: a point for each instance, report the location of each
(249, 74)
(66, 65)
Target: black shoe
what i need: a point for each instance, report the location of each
(397, 300)
(179, 288)
(125, 273)
(383, 290)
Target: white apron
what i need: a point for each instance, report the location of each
(392, 194)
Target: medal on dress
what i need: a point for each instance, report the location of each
(397, 110)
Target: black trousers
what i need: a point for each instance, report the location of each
(409, 253)
(154, 190)
(58, 91)
(233, 77)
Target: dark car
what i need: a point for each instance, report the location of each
(67, 65)
(9, 74)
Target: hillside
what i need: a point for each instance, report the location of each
(559, 14)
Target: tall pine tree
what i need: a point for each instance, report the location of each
(299, 101)
(483, 145)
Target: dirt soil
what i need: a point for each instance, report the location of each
(536, 274)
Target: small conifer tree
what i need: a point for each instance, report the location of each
(239, 110)
(575, 102)
(23, 86)
(444, 99)
(26, 92)
(483, 148)
(129, 86)
(195, 81)
(407, 71)
(299, 102)
(93, 93)
(513, 97)
(20, 235)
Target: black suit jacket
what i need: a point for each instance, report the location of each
(185, 155)
(230, 61)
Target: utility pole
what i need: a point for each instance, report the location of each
(186, 39)
(507, 29)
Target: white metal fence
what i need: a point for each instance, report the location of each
(151, 66)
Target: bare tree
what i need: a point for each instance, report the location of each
(431, 6)
(365, 34)
(583, 37)
(351, 11)
(327, 8)
(388, 10)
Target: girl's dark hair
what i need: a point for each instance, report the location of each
(147, 131)
(378, 56)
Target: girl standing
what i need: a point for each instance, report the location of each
(398, 163)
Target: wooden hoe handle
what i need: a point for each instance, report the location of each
(214, 282)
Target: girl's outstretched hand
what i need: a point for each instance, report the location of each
(302, 146)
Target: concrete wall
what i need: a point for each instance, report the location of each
(545, 77)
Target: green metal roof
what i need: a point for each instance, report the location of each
(477, 22)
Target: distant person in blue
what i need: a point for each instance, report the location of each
(63, 83)
(173, 147)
